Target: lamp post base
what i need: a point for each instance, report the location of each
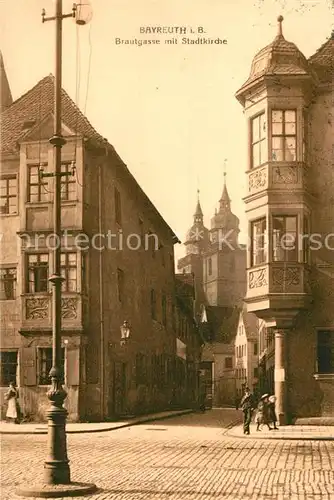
(56, 490)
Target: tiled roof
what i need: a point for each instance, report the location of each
(34, 106)
(251, 324)
(323, 61)
(222, 323)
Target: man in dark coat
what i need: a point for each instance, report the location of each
(247, 406)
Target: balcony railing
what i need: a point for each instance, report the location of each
(278, 278)
(274, 175)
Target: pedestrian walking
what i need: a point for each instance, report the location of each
(272, 417)
(262, 416)
(247, 406)
(12, 396)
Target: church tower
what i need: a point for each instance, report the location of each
(224, 267)
(6, 98)
(196, 243)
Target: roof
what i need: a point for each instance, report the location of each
(323, 61)
(279, 58)
(209, 350)
(251, 324)
(219, 324)
(33, 107)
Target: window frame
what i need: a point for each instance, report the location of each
(285, 252)
(8, 281)
(259, 141)
(28, 268)
(7, 196)
(42, 184)
(66, 182)
(65, 270)
(263, 251)
(284, 136)
(41, 379)
(5, 382)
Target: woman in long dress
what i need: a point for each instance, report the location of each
(11, 396)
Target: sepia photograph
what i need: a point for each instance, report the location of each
(167, 249)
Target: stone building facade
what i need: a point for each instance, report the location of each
(288, 105)
(117, 263)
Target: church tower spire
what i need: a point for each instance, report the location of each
(198, 215)
(225, 201)
(6, 98)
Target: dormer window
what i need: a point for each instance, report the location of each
(259, 140)
(283, 128)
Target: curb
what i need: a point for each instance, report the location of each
(277, 438)
(105, 429)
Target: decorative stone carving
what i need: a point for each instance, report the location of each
(257, 180)
(258, 278)
(69, 308)
(37, 308)
(287, 276)
(285, 175)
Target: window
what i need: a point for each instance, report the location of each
(209, 267)
(306, 240)
(164, 310)
(255, 349)
(120, 284)
(7, 283)
(118, 207)
(68, 270)
(285, 238)
(259, 140)
(37, 185)
(8, 363)
(68, 182)
(153, 305)
(45, 365)
(228, 363)
(325, 350)
(38, 270)
(8, 194)
(258, 242)
(283, 135)
(256, 372)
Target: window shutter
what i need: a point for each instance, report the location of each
(72, 367)
(28, 366)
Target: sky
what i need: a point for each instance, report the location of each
(169, 110)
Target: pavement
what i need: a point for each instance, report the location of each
(83, 428)
(189, 457)
(289, 432)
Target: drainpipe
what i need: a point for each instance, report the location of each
(101, 299)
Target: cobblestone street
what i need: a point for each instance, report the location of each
(187, 458)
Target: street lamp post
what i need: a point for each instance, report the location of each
(57, 478)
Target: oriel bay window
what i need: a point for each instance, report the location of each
(285, 248)
(68, 270)
(259, 140)
(283, 135)
(258, 242)
(37, 273)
